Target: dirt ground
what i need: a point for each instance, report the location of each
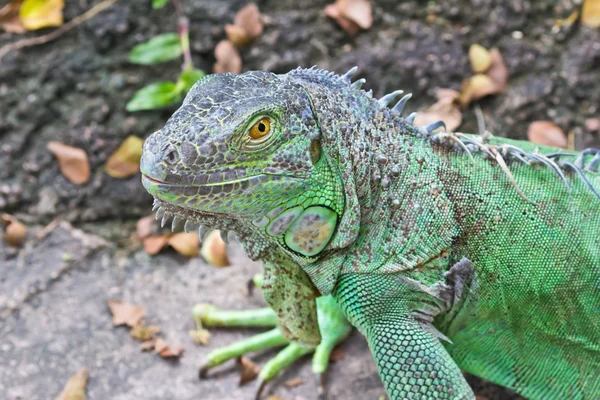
(53, 291)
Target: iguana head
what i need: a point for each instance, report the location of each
(244, 153)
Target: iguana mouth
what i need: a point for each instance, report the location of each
(153, 180)
(260, 178)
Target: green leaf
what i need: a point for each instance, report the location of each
(159, 49)
(156, 95)
(189, 77)
(156, 4)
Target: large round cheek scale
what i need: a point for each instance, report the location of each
(311, 231)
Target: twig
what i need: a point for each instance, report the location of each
(184, 35)
(54, 34)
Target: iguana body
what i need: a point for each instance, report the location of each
(444, 260)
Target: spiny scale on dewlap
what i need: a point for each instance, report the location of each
(448, 251)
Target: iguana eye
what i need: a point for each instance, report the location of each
(260, 128)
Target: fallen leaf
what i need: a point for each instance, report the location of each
(143, 333)
(73, 162)
(125, 313)
(570, 20)
(337, 354)
(154, 244)
(200, 336)
(143, 228)
(161, 48)
(237, 35)
(480, 58)
(37, 14)
(475, 88)
(590, 13)
(148, 345)
(167, 351)
(248, 369)
(349, 26)
(228, 58)
(547, 133)
(498, 72)
(249, 18)
(157, 4)
(293, 383)
(9, 17)
(189, 77)
(592, 124)
(274, 397)
(14, 231)
(357, 11)
(75, 387)
(481, 398)
(445, 109)
(154, 96)
(186, 244)
(125, 161)
(214, 250)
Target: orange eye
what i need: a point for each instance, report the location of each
(260, 129)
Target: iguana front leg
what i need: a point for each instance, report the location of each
(395, 313)
(334, 327)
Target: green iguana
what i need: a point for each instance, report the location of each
(447, 251)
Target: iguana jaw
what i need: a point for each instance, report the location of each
(205, 206)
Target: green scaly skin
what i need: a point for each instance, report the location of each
(445, 260)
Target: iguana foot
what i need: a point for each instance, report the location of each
(333, 326)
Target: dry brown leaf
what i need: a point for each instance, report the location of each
(148, 345)
(357, 11)
(143, 228)
(351, 27)
(75, 387)
(165, 350)
(186, 244)
(249, 18)
(498, 72)
(9, 17)
(475, 88)
(546, 133)
(480, 58)
(154, 244)
(125, 161)
(293, 382)
(14, 231)
(143, 333)
(125, 313)
(445, 109)
(228, 58)
(200, 336)
(73, 162)
(248, 369)
(590, 13)
(592, 124)
(274, 397)
(237, 35)
(337, 354)
(481, 398)
(570, 20)
(37, 14)
(214, 250)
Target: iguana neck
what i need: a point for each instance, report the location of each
(395, 209)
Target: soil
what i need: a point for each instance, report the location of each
(53, 291)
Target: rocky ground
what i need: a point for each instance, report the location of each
(53, 291)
